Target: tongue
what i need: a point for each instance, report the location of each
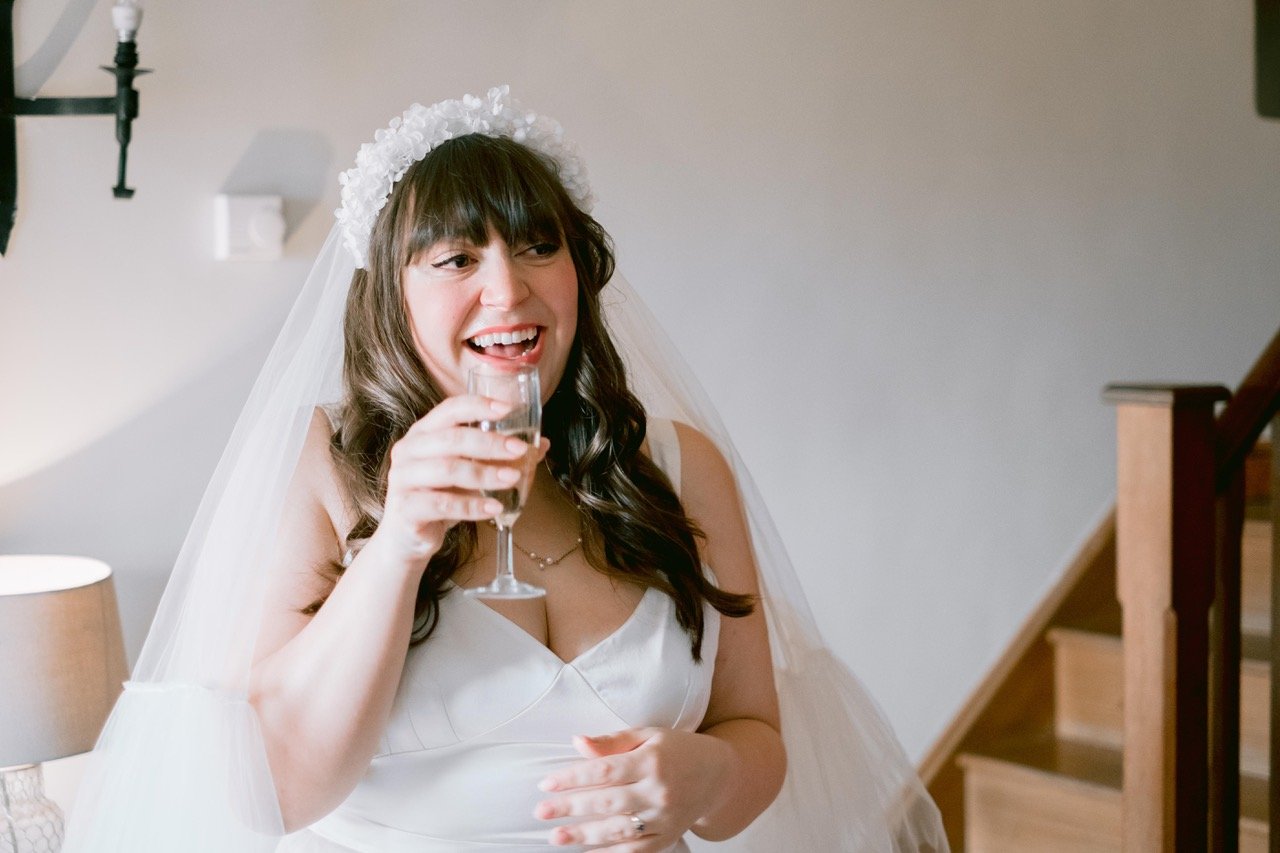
(506, 350)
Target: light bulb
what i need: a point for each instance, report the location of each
(126, 16)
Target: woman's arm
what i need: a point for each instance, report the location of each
(743, 711)
(323, 685)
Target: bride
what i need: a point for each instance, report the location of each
(315, 670)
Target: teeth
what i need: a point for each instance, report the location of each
(505, 337)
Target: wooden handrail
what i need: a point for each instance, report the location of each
(1248, 413)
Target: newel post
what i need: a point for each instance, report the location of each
(1164, 574)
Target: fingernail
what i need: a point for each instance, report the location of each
(547, 785)
(500, 406)
(508, 475)
(492, 507)
(515, 445)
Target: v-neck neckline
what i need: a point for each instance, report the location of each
(546, 650)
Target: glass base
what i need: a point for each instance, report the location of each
(505, 588)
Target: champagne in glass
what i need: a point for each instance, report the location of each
(513, 499)
(520, 387)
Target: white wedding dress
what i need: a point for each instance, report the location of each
(484, 711)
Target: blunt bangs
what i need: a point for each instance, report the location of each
(474, 182)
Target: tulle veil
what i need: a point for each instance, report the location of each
(181, 765)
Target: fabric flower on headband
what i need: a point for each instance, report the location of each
(379, 164)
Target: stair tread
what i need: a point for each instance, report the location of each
(1047, 753)
(1079, 762)
(1253, 647)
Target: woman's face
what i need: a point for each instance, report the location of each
(494, 305)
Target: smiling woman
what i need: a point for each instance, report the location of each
(483, 253)
(494, 304)
(312, 645)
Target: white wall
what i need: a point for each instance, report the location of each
(905, 245)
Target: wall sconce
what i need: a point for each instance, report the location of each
(126, 16)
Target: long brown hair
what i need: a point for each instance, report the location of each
(633, 525)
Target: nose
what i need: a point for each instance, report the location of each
(504, 287)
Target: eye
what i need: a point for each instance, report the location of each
(454, 262)
(543, 250)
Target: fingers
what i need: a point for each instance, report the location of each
(444, 450)
(604, 801)
(462, 409)
(591, 774)
(451, 472)
(608, 830)
(439, 469)
(447, 504)
(457, 440)
(611, 744)
(607, 790)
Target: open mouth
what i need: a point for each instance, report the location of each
(513, 344)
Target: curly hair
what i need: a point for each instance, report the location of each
(634, 527)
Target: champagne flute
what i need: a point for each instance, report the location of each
(521, 388)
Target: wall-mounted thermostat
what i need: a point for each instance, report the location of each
(248, 227)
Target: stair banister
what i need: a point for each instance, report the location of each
(1165, 516)
(1254, 404)
(1180, 514)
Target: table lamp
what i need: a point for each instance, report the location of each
(62, 665)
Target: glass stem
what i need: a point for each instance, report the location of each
(506, 559)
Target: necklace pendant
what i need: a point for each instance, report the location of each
(543, 563)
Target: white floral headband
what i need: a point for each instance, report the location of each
(379, 164)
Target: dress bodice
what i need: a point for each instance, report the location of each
(484, 711)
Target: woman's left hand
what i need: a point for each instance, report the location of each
(667, 779)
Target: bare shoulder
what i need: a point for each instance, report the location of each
(306, 541)
(709, 492)
(316, 478)
(316, 460)
(700, 459)
(742, 686)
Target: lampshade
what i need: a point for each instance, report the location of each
(62, 658)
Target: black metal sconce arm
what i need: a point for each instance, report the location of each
(124, 106)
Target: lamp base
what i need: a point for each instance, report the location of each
(30, 822)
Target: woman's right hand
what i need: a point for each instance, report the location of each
(437, 471)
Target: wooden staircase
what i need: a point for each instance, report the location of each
(1044, 756)
(1040, 767)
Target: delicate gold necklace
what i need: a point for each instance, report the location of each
(542, 562)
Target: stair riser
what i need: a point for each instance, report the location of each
(1089, 686)
(1013, 812)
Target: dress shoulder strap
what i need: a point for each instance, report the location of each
(331, 412)
(664, 449)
